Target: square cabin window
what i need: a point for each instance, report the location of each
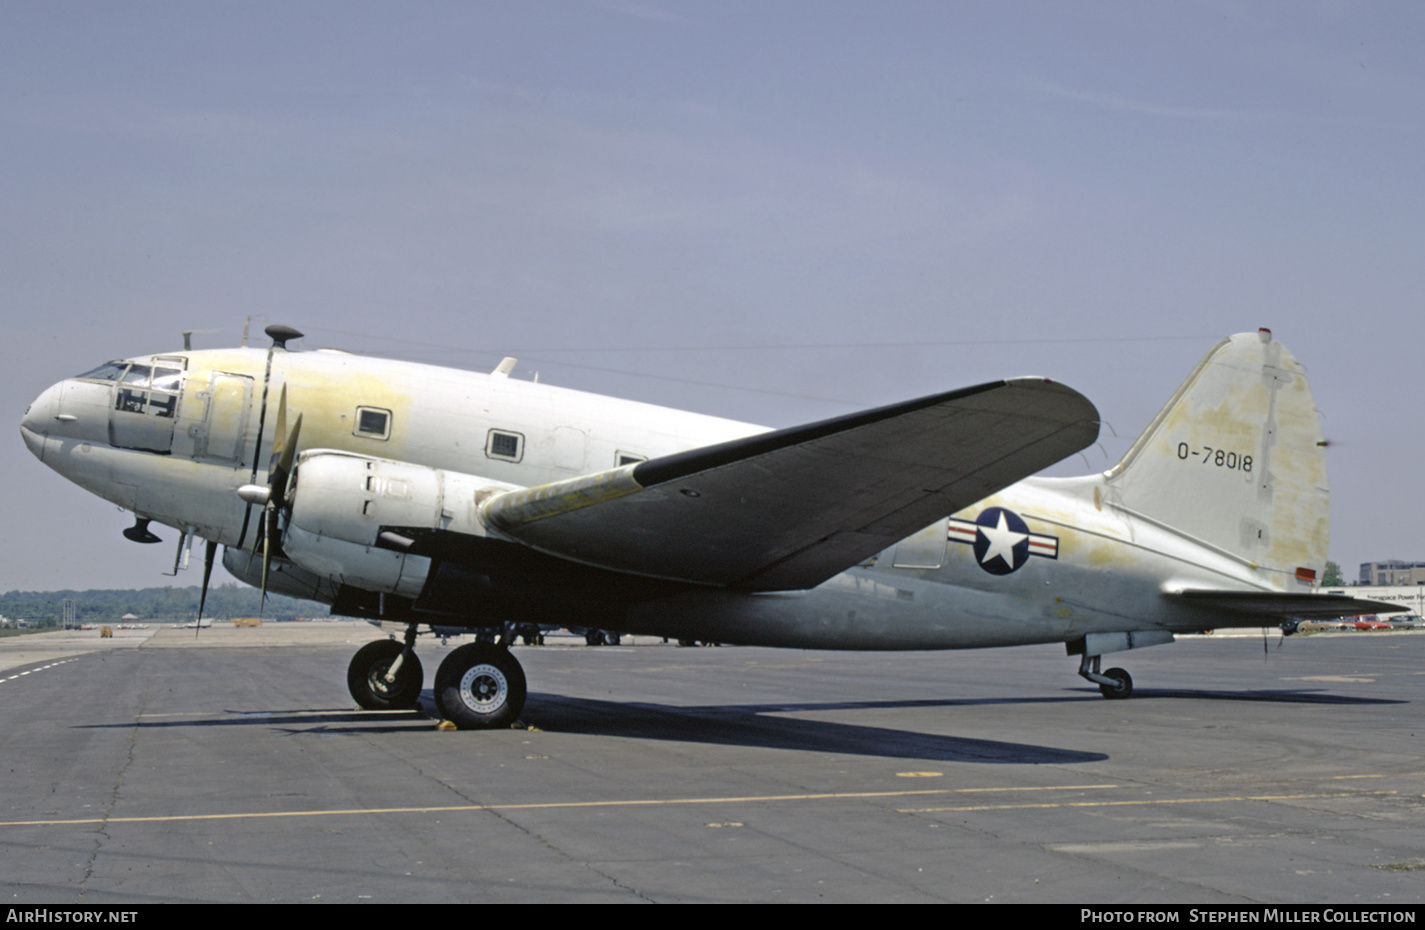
(504, 445)
(373, 423)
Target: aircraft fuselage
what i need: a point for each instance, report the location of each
(172, 438)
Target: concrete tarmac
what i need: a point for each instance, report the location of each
(235, 769)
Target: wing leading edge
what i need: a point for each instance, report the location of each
(788, 509)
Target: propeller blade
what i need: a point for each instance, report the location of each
(283, 469)
(269, 531)
(284, 453)
(209, 551)
(279, 428)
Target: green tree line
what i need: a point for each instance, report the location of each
(154, 604)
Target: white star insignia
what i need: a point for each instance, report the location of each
(1002, 541)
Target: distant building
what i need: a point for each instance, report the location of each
(1392, 572)
(1411, 598)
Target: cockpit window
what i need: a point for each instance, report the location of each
(167, 379)
(137, 374)
(109, 371)
(150, 389)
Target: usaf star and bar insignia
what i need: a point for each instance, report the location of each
(1002, 540)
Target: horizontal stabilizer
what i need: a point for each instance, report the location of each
(788, 509)
(1273, 607)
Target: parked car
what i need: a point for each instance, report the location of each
(1368, 622)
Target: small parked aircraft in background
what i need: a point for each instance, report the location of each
(439, 498)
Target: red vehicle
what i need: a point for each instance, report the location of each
(1368, 622)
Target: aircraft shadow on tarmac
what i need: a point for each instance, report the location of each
(1278, 696)
(762, 726)
(730, 725)
(752, 725)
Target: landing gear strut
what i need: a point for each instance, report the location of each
(386, 675)
(480, 686)
(1113, 684)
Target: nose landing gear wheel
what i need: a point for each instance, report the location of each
(1122, 687)
(480, 686)
(366, 677)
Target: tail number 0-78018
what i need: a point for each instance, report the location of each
(1219, 457)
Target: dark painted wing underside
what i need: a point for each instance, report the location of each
(1274, 607)
(791, 508)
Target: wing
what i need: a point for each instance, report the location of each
(788, 509)
(1271, 607)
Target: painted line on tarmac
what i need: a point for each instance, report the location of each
(260, 714)
(549, 805)
(1146, 801)
(41, 668)
(746, 799)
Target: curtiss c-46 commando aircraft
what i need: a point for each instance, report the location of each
(431, 497)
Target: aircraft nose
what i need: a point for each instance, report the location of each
(38, 418)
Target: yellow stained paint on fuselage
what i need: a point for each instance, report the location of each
(1061, 508)
(327, 394)
(435, 417)
(1108, 563)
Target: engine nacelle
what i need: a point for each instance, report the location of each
(282, 576)
(339, 503)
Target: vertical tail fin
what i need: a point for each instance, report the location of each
(1236, 460)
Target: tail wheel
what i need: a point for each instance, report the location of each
(1122, 686)
(480, 686)
(366, 677)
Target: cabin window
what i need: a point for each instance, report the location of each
(501, 444)
(373, 423)
(629, 458)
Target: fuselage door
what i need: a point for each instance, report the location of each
(222, 436)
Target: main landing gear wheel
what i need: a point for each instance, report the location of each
(480, 686)
(1122, 686)
(366, 677)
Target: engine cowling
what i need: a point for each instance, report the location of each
(282, 578)
(338, 504)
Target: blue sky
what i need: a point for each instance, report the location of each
(772, 211)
